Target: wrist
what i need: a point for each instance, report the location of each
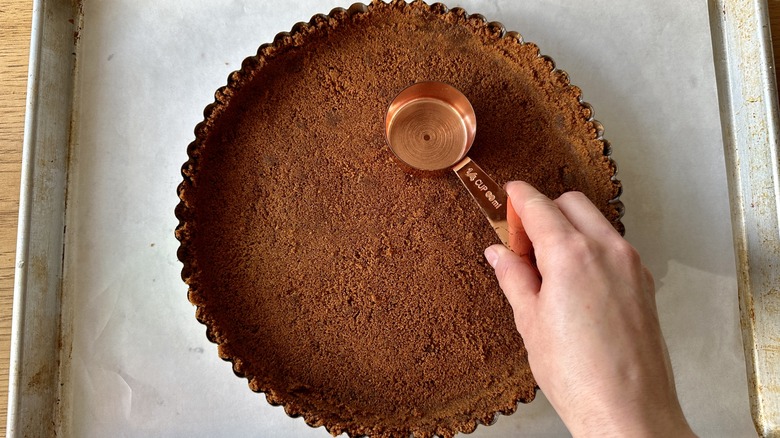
(645, 423)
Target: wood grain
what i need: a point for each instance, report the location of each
(15, 21)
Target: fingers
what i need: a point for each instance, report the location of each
(543, 221)
(518, 239)
(517, 277)
(585, 217)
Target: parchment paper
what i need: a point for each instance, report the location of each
(140, 363)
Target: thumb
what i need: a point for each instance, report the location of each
(517, 277)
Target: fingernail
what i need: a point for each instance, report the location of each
(492, 256)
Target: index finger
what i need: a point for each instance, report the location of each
(541, 218)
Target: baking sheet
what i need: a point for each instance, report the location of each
(35, 341)
(748, 98)
(134, 360)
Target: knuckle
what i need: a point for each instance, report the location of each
(578, 246)
(538, 202)
(627, 252)
(572, 249)
(568, 197)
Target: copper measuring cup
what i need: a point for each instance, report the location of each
(430, 126)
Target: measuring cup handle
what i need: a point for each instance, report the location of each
(490, 197)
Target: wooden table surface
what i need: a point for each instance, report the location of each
(15, 19)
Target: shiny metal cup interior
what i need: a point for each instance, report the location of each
(430, 126)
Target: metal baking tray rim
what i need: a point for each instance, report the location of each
(749, 111)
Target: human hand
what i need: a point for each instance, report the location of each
(588, 318)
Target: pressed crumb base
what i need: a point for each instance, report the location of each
(347, 290)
